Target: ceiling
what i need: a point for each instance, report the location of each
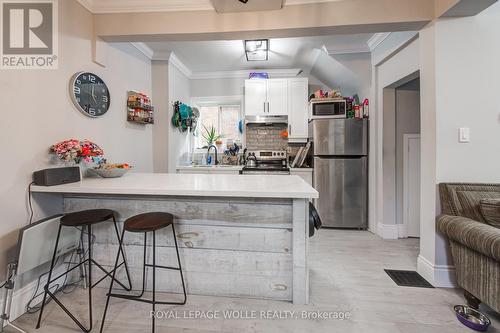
(301, 53)
(123, 6)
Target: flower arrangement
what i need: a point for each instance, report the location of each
(78, 151)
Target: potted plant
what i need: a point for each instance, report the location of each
(211, 136)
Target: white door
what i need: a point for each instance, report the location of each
(298, 90)
(411, 184)
(255, 97)
(277, 97)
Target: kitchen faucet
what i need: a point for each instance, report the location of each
(208, 154)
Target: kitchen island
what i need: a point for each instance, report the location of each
(240, 235)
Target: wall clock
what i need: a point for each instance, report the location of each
(89, 94)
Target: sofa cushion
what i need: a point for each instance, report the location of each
(469, 203)
(448, 194)
(490, 209)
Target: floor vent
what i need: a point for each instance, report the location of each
(408, 278)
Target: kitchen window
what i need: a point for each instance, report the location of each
(224, 118)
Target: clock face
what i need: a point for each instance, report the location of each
(89, 94)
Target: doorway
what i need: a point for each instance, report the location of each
(401, 156)
(408, 157)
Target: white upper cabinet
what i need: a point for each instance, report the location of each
(277, 98)
(255, 97)
(280, 97)
(298, 91)
(266, 97)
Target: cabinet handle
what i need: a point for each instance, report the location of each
(264, 107)
(289, 129)
(267, 107)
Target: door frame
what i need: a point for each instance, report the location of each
(406, 140)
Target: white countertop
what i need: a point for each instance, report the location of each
(204, 185)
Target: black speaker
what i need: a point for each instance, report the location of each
(56, 176)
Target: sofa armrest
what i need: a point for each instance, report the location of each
(478, 236)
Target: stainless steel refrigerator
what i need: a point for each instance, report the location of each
(340, 159)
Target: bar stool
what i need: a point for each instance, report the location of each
(85, 218)
(144, 223)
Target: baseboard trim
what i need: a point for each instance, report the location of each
(442, 276)
(402, 231)
(388, 231)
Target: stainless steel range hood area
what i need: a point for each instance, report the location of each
(266, 120)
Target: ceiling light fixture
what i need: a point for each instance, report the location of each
(257, 49)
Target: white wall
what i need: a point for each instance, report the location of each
(40, 113)
(349, 72)
(217, 87)
(468, 67)
(448, 65)
(179, 89)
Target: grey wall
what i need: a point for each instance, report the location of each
(407, 122)
(159, 69)
(217, 87)
(352, 73)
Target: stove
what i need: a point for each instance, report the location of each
(268, 162)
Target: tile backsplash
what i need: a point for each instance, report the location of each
(266, 137)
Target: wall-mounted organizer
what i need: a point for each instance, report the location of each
(139, 108)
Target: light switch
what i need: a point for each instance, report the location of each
(464, 134)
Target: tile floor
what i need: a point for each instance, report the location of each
(347, 276)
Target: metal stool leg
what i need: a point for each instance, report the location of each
(89, 230)
(46, 287)
(50, 280)
(111, 284)
(123, 255)
(180, 266)
(154, 281)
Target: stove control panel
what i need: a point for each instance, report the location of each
(270, 154)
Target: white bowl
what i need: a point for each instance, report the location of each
(110, 173)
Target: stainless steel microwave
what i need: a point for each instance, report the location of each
(327, 108)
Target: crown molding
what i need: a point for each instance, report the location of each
(131, 6)
(88, 4)
(273, 73)
(376, 40)
(361, 49)
(144, 49)
(179, 65)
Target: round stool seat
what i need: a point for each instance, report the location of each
(86, 217)
(148, 222)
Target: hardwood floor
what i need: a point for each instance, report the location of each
(347, 275)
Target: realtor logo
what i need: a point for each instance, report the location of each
(29, 34)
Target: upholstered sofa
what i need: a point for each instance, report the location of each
(470, 220)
